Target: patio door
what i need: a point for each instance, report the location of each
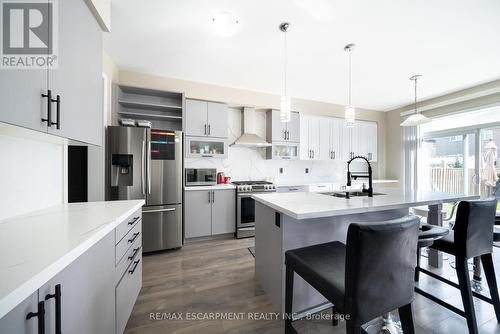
(449, 163)
(489, 162)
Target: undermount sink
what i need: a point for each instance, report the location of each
(352, 194)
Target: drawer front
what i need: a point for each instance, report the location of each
(131, 255)
(126, 293)
(126, 243)
(291, 189)
(122, 229)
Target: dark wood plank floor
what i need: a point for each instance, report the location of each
(214, 277)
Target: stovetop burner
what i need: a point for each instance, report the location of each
(246, 183)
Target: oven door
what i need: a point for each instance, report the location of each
(245, 211)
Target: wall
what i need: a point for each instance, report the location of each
(239, 97)
(471, 98)
(32, 171)
(97, 155)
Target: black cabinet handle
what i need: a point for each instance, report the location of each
(57, 123)
(205, 129)
(133, 220)
(40, 314)
(136, 250)
(209, 132)
(57, 296)
(136, 234)
(136, 263)
(49, 108)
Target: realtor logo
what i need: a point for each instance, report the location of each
(28, 37)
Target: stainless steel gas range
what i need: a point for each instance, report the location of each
(245, 205)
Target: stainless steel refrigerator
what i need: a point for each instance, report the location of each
(146, 164)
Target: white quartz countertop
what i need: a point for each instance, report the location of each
(304, 205)
(37, 246)
(315, 183)
(214, 187)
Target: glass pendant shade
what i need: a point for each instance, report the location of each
(350, 116)
(285, 108)
(416, 119)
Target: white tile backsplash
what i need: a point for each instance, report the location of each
(250, 163)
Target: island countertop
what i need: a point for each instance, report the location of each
(305, 205)
(38, 245)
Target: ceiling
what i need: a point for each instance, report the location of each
(454, 44)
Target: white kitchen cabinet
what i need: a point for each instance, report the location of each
(283, 151)
(223, 211)
(78, 112)
(367, 135)
(206, 119)
(278, 131)
(291, 189)
(198, 213)
(15, 321)
(336, 126)
(209, 212)
(86, 292)
(310, 137)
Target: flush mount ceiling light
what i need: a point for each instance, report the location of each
(285, 101)
(225, 23)
(350, 110)
(416, 118)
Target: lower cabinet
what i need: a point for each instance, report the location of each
(93, 294)
(209, 212)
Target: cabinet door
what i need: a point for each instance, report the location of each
(347, 146)
(15, 321)
(293, 128)
(87, 292)
(336, 132)
(314, 137)
(196, 118)
(78, 77)
(198, 213)
(223, 212)
(359, 139)
(305, 152)
(325, 152)
(278, 128)
(217, 120)
(21, 101)
(372, 136)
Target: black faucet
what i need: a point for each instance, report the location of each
(355, 176)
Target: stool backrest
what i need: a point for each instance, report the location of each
(380, 266)
(474, 227)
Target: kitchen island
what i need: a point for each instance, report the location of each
(287, 221)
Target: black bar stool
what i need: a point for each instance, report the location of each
(369, 276)
(428, 234)
(472, 237)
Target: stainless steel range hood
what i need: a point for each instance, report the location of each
(249, 138)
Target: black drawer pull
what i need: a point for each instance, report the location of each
(136, 263)
(40, 314)
(49, 108)
(136, 250)
(57, 123)
(57, 297)
(136, 234)
(133, 220)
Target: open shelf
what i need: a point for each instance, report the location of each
(149, 115)
(149, 105)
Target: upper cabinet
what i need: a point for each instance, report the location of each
(278, 131)
(327, 138)
(206, 119)
(65, 100)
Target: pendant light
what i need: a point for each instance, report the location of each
(350, 110)
(285, 101)
(416, 118)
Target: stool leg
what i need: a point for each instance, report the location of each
(352, 328)
(288, 300)
(417, 273)
(466, 292)
(489, 272)
(406, 317)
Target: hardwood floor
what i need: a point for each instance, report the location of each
(217, 277)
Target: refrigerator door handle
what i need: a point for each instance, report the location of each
(159, 210)
(143, 168)
(149, 167)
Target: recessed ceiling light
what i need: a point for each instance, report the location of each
(225, 23)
